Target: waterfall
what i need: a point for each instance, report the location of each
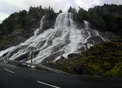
(51, 44)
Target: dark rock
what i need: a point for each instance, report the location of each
(79, 24)
(61, 60)
(82, 48)
(24, 56)
(112, 37)
(49, 21)
(36, 52)
(83, 70)
(51, 57)
(73, 55)
(5, 54)
(94, 40)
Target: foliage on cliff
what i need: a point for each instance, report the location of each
(23, 19)
(104, 18)
(103, 59)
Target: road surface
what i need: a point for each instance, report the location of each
(15, 77)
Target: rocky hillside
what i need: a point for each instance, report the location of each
(20, 26)
(106, 18)
(104, 59)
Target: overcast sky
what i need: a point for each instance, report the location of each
(7, 7)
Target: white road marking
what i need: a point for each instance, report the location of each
(9, 70)
(48, 84)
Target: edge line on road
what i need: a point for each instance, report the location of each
(9, 70)
(48, 84)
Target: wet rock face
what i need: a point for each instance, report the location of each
(79, 24)
(22, 56)
(73, 55)
(94, 40)
(49, 21)
(20, 35)
(51, 18)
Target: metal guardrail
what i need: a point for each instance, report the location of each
(30, 64)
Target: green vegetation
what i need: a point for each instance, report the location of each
(22, 19)
(72, 10)
(104, 18)
(104, 59)
(3, 42)
(81, 15)
(60, 11)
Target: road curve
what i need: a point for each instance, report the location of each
(15, 77)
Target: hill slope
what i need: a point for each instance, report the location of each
(103, 59)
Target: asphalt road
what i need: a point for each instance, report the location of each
(16, 77)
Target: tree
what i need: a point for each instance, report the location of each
(72, 10)
(81, 15)
(60, 11)
(35, 15)
(22, 19)
(101, 24)
(32, 10)
(23, 13)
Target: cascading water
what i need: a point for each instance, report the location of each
(50, 45)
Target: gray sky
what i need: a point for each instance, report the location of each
(8, 7)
